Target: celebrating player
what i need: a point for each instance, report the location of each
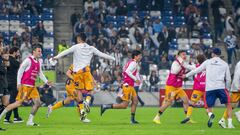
(235, 96)
(198, 89)
(72, 94)
(82, 55)
(174, 85)
(218, 79)
(128, 91)
(27, 74)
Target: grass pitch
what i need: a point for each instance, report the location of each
(65, 121)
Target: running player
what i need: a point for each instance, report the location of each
(198, 89)
(82, 55)
(174, 85)
(235, 96)
(128, 91)
(218, 79)
(27, 74)
(72, 94)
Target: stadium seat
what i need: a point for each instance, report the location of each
(194, 40)
(183, 47)
(14, 22)
(182, 41)
(48, 40)
(4, 28)
(208, 42)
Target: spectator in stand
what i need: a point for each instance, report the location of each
(157, 26)
(118, 56)
(148, 43)
(123, 32)
(75, 17)
(95, 63)
(100, 4)
(163, 41)
(131, 4)
(90, 14)
(79, 27)
(99, 30)
(153, 57)
(121, 9)
(110, 30)
(153, 82)
(87, 4)
(177, 7)
(218, 18)
(112, 9)
(230, 41)
(182, 33)
(157, 5)
(117, 84)
(16, 41)
(96, 76)
(16, 8)
(145, 64)
(26, 49)
(229, 23)
(26, 34)
(203, 7)
(164, 63)
(34, 8)
(204, 28)
(138, 36)
(39, 31)
(102, 44)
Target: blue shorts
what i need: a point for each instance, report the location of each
(211, 97)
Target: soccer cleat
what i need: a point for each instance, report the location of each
(222, 124)
(83, 115)
(237, 114)
(210, 120)
(18, 120)
(86, 106)
(103, 109)
(32, 124)
(2, 129)
(85, 120)
(134, 122)
(156, 120)
(185, 120)
(49, 111)
(5, 121)
(230, 125)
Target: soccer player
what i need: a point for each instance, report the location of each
(198, 89)
(72, 94)
(218, 79)
(82, 55)
(174, 85)
(235, 96)
(128, 91)
(26, 77)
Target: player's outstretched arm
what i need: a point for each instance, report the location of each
(65, 52)
(100, 54)
(198, 69)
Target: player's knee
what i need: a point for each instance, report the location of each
(37, 103)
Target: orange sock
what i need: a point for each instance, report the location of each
(58, 105)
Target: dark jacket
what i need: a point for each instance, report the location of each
(12, 71)
(3, 78)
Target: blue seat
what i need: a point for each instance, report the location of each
(111, 18)
(14, 17)
(4, 17)
(47, 17)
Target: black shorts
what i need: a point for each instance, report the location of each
(4, 92)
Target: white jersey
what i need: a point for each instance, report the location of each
(230, 41)
(217, 74)
(82, 55)
(236, 79)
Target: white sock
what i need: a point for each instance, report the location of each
(222, 119)
(209, 114)
(30, 119)
(229, 120)
(3, 113)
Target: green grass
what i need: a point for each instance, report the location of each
(50, 75)
(65, 121)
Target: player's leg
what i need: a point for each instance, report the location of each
(126, 92)
(210, 99)
(35, 107)
(225, 99)
(195, 97)
(88, 85)
(169, 97)
(234, 99)
(133, 108)
(237, 99)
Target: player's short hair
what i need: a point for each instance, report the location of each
(13, 50)
(181, 51)
(201, 58)
(35, 46)
(135, 53)
(81, 35)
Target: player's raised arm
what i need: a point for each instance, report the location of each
(100, 54)
(65, 52)
(198, 69)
